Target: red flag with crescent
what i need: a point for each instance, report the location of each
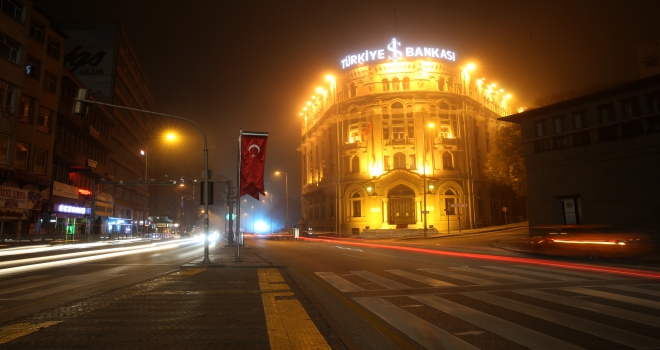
(253, 163)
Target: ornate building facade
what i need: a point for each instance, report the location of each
(400, 143)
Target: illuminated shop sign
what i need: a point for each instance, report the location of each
(63, 208)
(84, 192)
(396, 52)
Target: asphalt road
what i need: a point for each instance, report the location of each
(37, 278)
(461, 293)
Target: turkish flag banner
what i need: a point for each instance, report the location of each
(253, 163)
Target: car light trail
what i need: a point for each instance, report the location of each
(104, 255)
(620, 271)
(49, 248)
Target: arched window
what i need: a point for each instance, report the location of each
(386, 85)
(356, 205)
(406, 83)
(441, 84)
(355, 165)
(447, 161)
(399, 161)
(353, 90)
(395, 84)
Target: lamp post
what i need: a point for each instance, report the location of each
(286, 191)
(425, 213)
(206, 158)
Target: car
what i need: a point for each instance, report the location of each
(589, 241)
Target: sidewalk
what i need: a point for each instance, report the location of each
(230, 305)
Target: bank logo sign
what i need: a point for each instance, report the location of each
(395, 52)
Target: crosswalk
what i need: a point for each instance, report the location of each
(39, 286)
(510, 306)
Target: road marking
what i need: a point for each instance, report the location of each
(385, 282)
(289, 325)
(419, 278)
(514, 332)
(572, 271)
(188, 272)
(637, 290)
(353, 256)
(590, 327)
(458, 276)
(595, 307)
(613, 296)
(17, 330)
(423, 332)
(535, 273)
(339, 283)
(495, 274)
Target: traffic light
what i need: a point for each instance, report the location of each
(79, 107)
(201, 198)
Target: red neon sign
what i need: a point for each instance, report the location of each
(84, 192)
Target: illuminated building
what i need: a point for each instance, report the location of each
(396, 138)
(594, 159)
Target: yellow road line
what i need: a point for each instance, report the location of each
(289, 325)
(15, 331)
(187, 272)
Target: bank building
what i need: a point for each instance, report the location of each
(395, 143)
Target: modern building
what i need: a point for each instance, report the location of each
(595, 159)
(31, 56)
(100, 56)
(398, 140)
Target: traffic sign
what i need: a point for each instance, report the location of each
(459, 205)
(505, 209)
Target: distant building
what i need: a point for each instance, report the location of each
(100, 56)
(595, 159)
(648, 56)
(398, 140)
(31, 55)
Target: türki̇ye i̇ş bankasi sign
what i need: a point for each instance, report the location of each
(395, 53)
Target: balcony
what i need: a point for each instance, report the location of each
(399, 142)
(444, 143)
(354, 146)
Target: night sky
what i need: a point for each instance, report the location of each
(253, 64)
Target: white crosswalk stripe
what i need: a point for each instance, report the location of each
(536, 273)
(458, 276)
(494, 274)
(340, 283)
(617, 297)
(590, 275)
(385, 282)
(419, 278)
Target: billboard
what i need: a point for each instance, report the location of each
(11, 197)
(90, 55)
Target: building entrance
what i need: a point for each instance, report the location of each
(401, 201)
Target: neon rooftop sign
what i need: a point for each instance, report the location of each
(395, 52)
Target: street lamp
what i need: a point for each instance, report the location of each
(286, 187)
(425, 213)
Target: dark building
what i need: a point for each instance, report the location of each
(595, 159)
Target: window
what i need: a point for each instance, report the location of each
(395, 84)
(53, 49)
(353, 133)
(4, 148)
(398, 132)
(353, 90)
(578, 120)
(399, 161)
(37, 31)
(50, 82)
(386, 85)
(21, 156)
(33, 68)
(654, 102)
(10, 49)
(6, 97)
(441, 84)
(406, 83)
(357, 205)
(447, 161)
(448, 202)
(540, 132)
(582, 138)
(386, 163)
(561, 142)
(27, 109)
(43, 119)
(445, 130)
(355, 165)
(413, 162)
(629, 108)
(605, 114)
(14, 9)
(558, 124)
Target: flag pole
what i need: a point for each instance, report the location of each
(237, 258)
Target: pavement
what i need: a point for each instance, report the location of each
(252, 303)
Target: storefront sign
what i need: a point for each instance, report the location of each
(103, 209)
(84, 192)
(104, 197)
(13, 214)
(18, 198)
(395, 52)
(70, 209)
(64, 190)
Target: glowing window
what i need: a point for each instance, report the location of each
(447, 161)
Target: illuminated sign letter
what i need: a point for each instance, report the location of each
(410, 51)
